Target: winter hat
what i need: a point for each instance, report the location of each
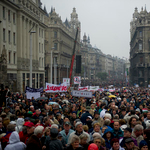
(138, 110)
(142, 143)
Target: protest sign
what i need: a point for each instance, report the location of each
(82, 94)
(53, 88)
(83, 88)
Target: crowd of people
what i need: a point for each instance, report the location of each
(107, 121)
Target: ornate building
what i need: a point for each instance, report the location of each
(140, 48)
(60, 38)
(17, 18)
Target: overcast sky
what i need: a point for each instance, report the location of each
(107, 22)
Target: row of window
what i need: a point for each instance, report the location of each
(9, 36)
(9, 15)
(11, 59)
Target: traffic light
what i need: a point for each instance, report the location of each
(78, 63)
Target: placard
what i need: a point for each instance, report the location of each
(33, 94)
(77, 80)
(82, 94)
(83, 88)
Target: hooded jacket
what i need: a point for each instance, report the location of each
(14, 142)
(107, 142)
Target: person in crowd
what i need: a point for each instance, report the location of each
(78, 131)
(117, 132)
(132, 122)
(129, 144)
(14, 142)
(146, 136)
(55, 144)
(143, 145)
(34, 141)
(127, 134)
(67, 131)
(147, 116)
(115, 144)
(96, 128)
(98, 142)
(30, 130)
(108, 136)
(45, 134)
(83, 141)
(98, 118)
(137, 133)
(5, 139)
(74, 143)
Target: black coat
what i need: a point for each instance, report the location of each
(34, 143)
(55, 144)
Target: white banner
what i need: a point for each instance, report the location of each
(77, 80)
(33, 94)
(83, 88)
(82, 94)
(94, 88)
(53, 88)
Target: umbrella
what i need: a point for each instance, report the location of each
(112, 96)
(42, 98)
(51, 103)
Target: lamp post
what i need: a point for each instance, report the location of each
(51, 62)
(31, 55)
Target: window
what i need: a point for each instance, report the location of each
(140, 46)
(8, 15)
(55, 34)
(42, 33)
(42, 62)
(9, 37)
(141, 34)
(39, 47)
(55, 22)
(14, 18)
(9, 57)
(14, 38)
(3, 12)
(14, 58)
(42, 48)
(4, 35)
(55, 46)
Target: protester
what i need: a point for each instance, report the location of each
(14, 142)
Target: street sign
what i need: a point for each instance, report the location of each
(77, 80)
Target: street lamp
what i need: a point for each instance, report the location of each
(31, 54)
(51, 61)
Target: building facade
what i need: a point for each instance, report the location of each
(17, 18)
(60, 38)
(140, 48)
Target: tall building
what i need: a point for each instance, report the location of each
(17, 18)
(60, 38)
(140, 48)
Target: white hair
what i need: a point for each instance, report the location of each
(107, 115)
(138, 127)
(54, 126)
(31, 106)
(38, 129)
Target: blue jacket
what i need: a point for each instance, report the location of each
(107, 142)
(66, 136)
